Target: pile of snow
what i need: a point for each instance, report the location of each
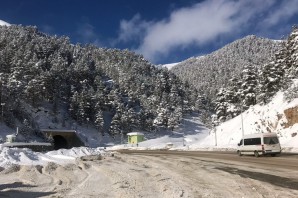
(4, 23)
(9, 156)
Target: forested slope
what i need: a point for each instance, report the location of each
(211, 72)
(91, 83)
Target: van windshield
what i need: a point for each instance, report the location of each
(270, 140)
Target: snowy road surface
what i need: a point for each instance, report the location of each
(157, 174)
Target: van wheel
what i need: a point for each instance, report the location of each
(239, 153)
(273, 155)
(256, 153)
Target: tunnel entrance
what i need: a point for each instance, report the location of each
(64, 138)
(60, 142)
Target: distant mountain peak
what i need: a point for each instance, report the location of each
(4, 23)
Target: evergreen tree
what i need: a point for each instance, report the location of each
(249, 86)
(221, 105)
(270, 81)
(115, 128)
(99, 121)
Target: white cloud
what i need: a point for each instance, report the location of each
(286, 10)
(132, 29)
(87, 34)
(200, 24)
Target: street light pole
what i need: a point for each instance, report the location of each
(2, 105)
(242, 125)
(241, 107)
(215, 135)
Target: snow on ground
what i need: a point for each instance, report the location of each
(170, 65)
(257, 119)
(191, 135)
(23, 156)
(189, 132)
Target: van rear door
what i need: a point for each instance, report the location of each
(271, 144)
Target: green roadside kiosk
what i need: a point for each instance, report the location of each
(135, 137)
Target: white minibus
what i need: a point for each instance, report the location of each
(259, 144)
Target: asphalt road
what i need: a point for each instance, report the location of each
(281, 171)
(284, 161)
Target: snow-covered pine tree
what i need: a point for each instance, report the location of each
(99, 121)
(291, 55)
(74, 105)
(291, 64)
(33, 91)
(115, 127)
(161, 120)
(248, 86)
(221, 105)
(270, 79)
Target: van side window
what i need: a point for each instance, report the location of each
(270, 140)
(252, 141)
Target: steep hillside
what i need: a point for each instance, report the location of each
(259, 84)
(278, 116)
(211, 72)
(116, 91)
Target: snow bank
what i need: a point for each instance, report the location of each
(9, 156)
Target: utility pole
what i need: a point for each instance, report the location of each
(241, 107)
(2, 105)
(215, 135)
(242, 125)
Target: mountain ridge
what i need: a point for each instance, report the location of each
(211, 72)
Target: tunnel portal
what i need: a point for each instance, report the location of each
(64, 138)
(60, 142)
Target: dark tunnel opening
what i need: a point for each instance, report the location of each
(60, 142)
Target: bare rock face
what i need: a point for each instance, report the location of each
(292, 116)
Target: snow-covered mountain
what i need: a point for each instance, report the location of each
(4, 23)
(117, 84)
(213, 71)
(112, 91)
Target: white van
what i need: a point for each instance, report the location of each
(259, 144)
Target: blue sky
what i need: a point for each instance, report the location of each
(164, 31)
